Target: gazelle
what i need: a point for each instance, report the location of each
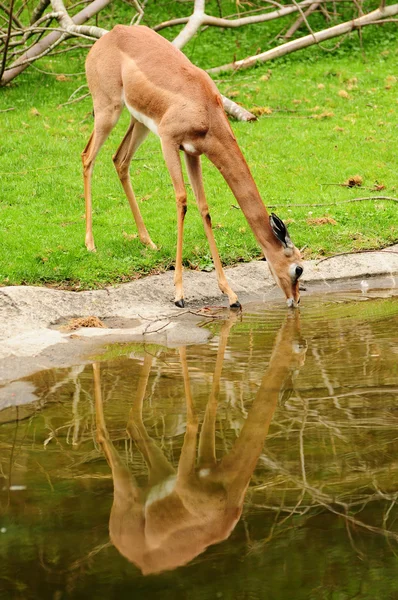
(166, 94)
(180, 512)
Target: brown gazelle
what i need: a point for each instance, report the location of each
(165, 523)
(166, 94)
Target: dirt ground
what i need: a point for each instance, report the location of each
(32, 319)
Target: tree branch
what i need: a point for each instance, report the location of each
(309, 40)
(7, 41)
(45, 45)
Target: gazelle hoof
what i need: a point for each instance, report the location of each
(236, 305)
(150, 244)
(180, 303)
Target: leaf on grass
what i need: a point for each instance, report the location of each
(326, 114)
(321, 221)
(378, 187)
(33, 111)
(343, 94)
(390, 81)
(352, 83)
(355, 181)
(233, 93)
(267, 76)
(62, 77)
(321, 86)
(130, 236)
(261, 110)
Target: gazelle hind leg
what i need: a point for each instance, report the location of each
(195, 177)
(104, 122)
(136, 134)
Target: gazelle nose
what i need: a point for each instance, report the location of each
(299, 271)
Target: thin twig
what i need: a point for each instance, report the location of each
(337, 203)
(74, 100)
(32, 170)
(356, 252)
(4, 61)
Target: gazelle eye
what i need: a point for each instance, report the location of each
(299, 271)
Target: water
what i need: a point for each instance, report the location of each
(261, 465)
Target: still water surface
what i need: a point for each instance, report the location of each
(260, 465)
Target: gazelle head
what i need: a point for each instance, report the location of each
(284, 261)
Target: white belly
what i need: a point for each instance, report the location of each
(150, 123)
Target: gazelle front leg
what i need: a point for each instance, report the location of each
(186, 464)
(195, 177)
(171, 155)
(159, 467)
(207, 437)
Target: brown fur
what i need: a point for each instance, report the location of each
(135, 65)
(197, 509)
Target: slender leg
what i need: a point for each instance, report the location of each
(207, 437)
(186, 464)
(172, 157)
(104, 122)
(195, 177)
(159, 467)
(123, 481)
(136, 134)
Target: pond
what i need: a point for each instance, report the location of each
(262, 464)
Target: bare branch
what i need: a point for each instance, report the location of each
(195, 21)
(303, 17)
(45, 45)
(199, 18)
(309, 40)
(9, 12)
(236, 111)
(70, 27)
(39, 10)
(7, 41)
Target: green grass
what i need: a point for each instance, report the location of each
(293, 156)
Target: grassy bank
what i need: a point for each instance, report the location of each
(325, 118)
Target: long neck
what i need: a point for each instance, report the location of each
(225, 154)
(238, 465)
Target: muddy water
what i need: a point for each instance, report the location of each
(261, 465)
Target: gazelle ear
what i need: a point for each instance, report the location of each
(279, 229)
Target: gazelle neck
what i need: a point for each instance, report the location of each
(229, 160)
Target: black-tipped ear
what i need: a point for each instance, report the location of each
(280, 231)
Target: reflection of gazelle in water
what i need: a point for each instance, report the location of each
(182, 512)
